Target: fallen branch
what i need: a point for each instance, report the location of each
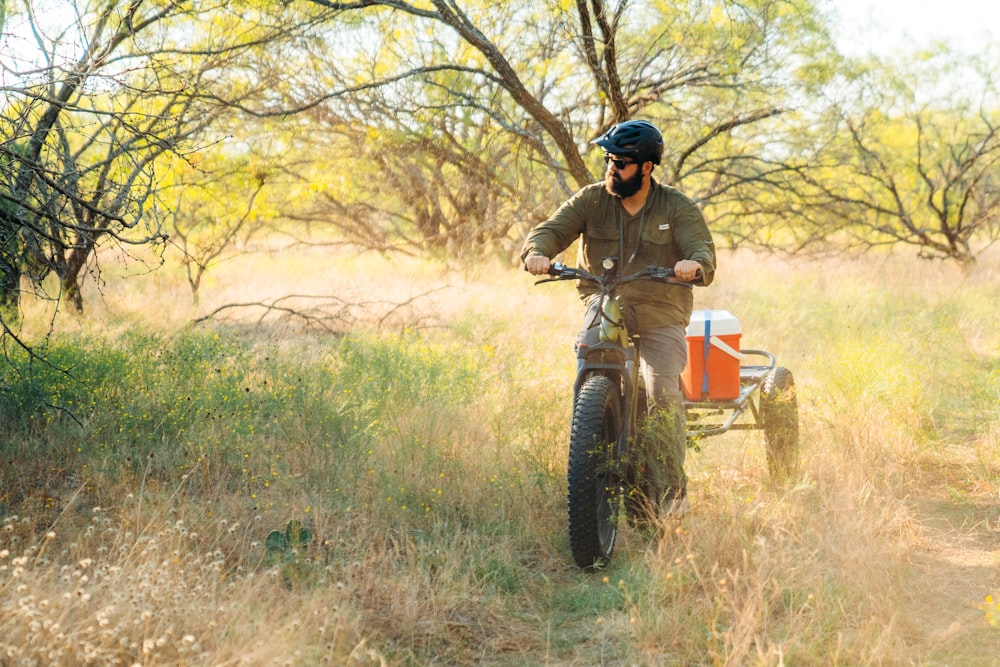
(329, 313)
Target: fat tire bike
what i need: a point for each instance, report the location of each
(609, 406)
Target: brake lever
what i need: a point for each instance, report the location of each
(557, 272)
(666, 275)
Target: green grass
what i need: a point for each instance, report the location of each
(146, 464)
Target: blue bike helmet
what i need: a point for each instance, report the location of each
(637, 139)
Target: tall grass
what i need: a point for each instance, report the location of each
(148, 467)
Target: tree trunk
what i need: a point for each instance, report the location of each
(72, 296)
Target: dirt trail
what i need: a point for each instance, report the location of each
(956, 565)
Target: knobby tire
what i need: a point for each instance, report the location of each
(780, 417)
(593, 476)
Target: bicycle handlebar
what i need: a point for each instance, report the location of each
(560, 271)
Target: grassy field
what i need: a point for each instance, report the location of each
(382, 481)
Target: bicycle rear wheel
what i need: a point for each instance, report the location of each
(594, 476)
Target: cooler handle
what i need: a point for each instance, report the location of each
(725, 347)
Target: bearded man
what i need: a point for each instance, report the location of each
(643, 223)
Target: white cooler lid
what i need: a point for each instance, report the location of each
(721, 323)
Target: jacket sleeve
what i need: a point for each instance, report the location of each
(551, 237)
(695, 240)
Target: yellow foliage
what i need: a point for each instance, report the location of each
(718, 16)
(991, 608)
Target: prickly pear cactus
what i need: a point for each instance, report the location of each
(287, 551)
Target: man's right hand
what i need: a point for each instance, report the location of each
(537, 264)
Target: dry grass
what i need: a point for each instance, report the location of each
(428, 461)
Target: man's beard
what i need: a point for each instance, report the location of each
(623, 188)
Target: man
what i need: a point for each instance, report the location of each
(644, 223)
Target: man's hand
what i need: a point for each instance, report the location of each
(539, 265)
(687, 269)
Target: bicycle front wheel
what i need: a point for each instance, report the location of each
(595, 484)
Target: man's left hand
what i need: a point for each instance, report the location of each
(687, 269)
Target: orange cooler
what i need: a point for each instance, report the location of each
(713, 368)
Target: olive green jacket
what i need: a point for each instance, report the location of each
(669, 228)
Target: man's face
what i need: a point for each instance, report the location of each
(623, 177)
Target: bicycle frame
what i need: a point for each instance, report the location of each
(615, 353)
(607, 409)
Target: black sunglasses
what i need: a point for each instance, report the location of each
(619, 164)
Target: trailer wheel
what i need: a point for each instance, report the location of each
(779, 413)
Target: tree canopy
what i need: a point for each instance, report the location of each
(432, 126)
